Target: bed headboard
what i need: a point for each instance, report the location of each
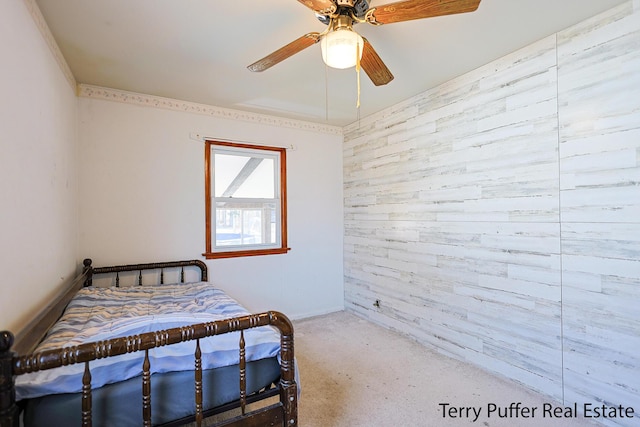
(30, 336)
(159, 266)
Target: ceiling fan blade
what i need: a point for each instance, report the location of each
(418, 9)
(373, 65)
(285, 52)
(323, 7)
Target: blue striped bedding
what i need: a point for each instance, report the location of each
(102, 313)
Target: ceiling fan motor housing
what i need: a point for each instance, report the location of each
(360, 7)
(357, 8)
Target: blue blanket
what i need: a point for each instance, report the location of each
(103, 313)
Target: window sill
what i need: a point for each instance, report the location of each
(256, 252)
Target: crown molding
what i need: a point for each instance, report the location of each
(38, 19)
(97, 92)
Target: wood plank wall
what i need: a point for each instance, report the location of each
(599, 104)
(496, 218)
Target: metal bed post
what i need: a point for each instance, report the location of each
(9, 414)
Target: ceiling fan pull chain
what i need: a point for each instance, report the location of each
(326, 93)
(358, 73)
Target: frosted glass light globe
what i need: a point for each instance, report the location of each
(340, 47)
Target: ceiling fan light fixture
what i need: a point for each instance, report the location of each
(341, 48)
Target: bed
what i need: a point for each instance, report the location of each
(173, 352)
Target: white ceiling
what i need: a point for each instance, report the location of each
(198, 50)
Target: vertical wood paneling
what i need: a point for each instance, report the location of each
(599, 99)
(495, 217)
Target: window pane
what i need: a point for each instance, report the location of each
(244, 176)
(245, 224)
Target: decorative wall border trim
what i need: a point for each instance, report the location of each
(38, 19)
(97, 92)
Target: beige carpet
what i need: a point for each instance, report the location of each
(355, 373)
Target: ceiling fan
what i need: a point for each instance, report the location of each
(344, 48)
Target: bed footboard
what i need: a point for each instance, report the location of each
(283, 413)
(9, 416)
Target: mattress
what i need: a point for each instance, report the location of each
(172, 397)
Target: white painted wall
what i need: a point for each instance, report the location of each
(142, 192)
(38, 168)
(497, 216)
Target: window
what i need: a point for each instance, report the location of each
(246, 205)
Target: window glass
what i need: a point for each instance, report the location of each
(244, 176)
